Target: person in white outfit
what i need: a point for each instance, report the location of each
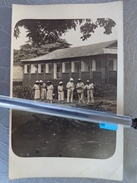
(36, 87)
(49, 92)
(42, 90)
(80, 90)
(70, 88)
(60, 92)
(90, 90)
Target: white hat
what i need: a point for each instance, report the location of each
(36, 81)
(71, 79)
(79, 79)
(60, 82)
(41, 81)
(87, 81)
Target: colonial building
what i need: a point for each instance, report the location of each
(93, 62)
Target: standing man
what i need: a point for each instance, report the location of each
(36, 87)
(50, 91)
(42, 90)
(70, 88)
(80, 90)
(90, 90)
(60, 92)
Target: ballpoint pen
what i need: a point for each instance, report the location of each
(106, 120)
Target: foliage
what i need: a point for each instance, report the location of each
(25, 92)
(28, 50)
(45, 35)
(101, 90)
(41, 32)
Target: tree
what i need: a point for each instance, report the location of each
(32, 50)
(42, 32)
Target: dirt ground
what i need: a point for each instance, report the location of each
(35, 135)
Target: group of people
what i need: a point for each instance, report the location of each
(80, 88)
(45, 91)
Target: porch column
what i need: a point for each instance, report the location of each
(92, 68)
(60, 70)
(54, 71)
(102, 69)
(70, 70)
(37, 72)
(63, 67)
(39, 68)
(72, 67)
(80, 74)
(44, 71)
(25, 69)
(114, 65)
(47, 68)
(29, 73)
(93, 65)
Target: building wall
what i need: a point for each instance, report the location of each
(101, 68)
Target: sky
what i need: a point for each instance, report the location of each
(72, 37)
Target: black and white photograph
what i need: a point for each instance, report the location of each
(68, 61)
(57, 71)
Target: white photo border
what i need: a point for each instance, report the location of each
(111, 168)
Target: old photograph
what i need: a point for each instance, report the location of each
(69, 61)
(54, 70)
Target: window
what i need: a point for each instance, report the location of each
(85, 66)
(110, 65)
(75, 66)
(34, 68)
(26, 69)
(42, 68)
(98, 65)
(67, 67)
(49, 68)
(58, 70)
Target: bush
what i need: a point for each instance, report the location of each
(25, 92)
(101, 89)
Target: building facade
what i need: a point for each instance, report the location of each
(96, 62)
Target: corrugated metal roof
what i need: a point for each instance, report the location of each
(81, 51)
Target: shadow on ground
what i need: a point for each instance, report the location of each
(35, 135)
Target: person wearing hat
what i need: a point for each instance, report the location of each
(70, 88)
(36, 87)
(60, 92)
(90, 90)
(80, 90)
(42, 90)
(50, 91)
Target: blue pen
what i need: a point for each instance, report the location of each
(105, 120)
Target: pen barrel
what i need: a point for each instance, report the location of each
(64, 111)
